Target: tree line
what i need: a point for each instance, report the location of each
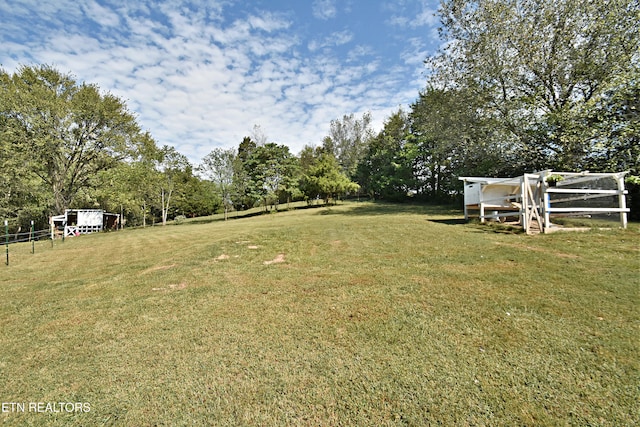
(65, 144)
(519, 85)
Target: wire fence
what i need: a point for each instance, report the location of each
(32, 236)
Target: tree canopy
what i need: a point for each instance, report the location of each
(218, 166)
(324, 178)
(534, 66)
(66, 144)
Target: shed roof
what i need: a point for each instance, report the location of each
(485, 180)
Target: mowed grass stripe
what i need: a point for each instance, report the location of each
(373, 314)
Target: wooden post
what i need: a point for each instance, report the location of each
(32, 238)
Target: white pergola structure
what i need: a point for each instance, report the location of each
(536, 197)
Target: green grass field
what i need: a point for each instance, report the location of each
(359, 314)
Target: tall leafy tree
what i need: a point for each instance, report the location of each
(127, 188)
(348, 139)
(218, 166)
(386, 170)
(272, 170)
(201, 198)
(242, 171)
(65, 132)
(444, 133)
(193, 196)
(534, 63)
(172, 170)
(323, 177)
(23, 195)
(611, 121)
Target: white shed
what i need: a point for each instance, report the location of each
(84, 221)
(535, 198)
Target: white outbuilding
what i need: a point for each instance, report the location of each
(533, 199)
(83, 221)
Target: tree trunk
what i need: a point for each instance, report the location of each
(164, 212)
(165, 206)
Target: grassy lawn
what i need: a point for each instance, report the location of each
(360, 314)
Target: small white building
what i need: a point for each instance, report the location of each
(534, 198)
(84, 221)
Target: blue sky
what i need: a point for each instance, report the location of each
(200, 74)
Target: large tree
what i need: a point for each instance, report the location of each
(218, 166)
(386, 169)
(128, 188)
(612, 123)
(534, 63)
(449, 138)
(272, 171)
(23, 196)
(65, 132)
(348, 140)
(242, 188)
(173, 171)
(322, 175)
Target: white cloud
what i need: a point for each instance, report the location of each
(337, 38)
(268, 22)
(324, 9)
(359, 52)
(340, 38)
(196, 81)
(425, 16)
(105, 17)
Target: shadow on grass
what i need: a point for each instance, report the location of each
(383, 208)
(450, 213)
(494, 227)
(437, 214)
(249, 213)
(450, 221)
(230, 217)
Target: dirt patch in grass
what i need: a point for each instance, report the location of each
(158, 268)
(277, 260)
(173, 287)
(222, 257)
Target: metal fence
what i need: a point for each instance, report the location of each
(30, 236)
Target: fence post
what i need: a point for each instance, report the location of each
(32, 238)
(6, 238)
